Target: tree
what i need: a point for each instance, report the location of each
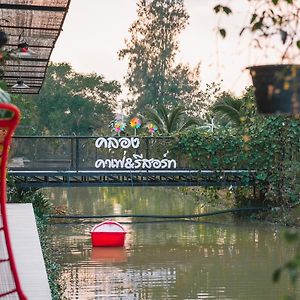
(151, 51)
(184, 89)
(268, 19)
(169, 121)
(70, 103)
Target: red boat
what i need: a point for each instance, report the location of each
(108, 234)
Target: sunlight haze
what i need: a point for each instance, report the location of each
(94, 31)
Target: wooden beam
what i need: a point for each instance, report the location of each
(33, 7)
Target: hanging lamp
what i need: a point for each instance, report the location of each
(20, 85)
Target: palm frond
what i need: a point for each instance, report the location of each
(228, 112)
(162, 112)
(188, 123)
(153, 116)
(175, 118)
(166, 121)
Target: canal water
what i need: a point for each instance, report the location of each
(217, 258)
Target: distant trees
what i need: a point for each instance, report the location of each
(153, 77)
(69, 103)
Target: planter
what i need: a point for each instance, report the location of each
(277, 89)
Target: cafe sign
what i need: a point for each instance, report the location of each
(137, 161)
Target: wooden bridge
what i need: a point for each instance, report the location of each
(90, 161)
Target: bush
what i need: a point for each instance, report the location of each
(41, 204)
(270, 147)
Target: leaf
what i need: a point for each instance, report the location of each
(257, 25)
(217, 8)
(261, 176)
(253, 18)
(227, 10)
(230, 109)
(222, 31)
(298, 44)
(275, 2)
(283, 35)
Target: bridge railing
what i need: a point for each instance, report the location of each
(80, 152)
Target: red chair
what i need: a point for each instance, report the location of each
(10, 287)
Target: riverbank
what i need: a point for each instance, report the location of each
(243, 197)
(41, 206)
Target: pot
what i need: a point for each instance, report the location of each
(277, 89)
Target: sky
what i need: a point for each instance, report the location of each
(94, 31)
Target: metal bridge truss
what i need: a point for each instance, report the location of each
(183, 177)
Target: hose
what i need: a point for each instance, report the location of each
(189, 216)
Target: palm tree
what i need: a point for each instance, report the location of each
(229, 110)
(169, 121)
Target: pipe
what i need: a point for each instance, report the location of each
(232, 210)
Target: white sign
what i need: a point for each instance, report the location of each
(135, 162)
(123, 142)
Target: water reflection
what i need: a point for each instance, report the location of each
(108, 254)
(171, 260)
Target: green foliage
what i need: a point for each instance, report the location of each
(41, 204)
(211, 196)
(269, 18)
(242, 196)
(69, 103)
(169, 121)
(229, 108)
(270, 146)
(202, 148)
(230, 111)
(199, 104)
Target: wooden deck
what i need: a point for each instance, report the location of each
(27, 252)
